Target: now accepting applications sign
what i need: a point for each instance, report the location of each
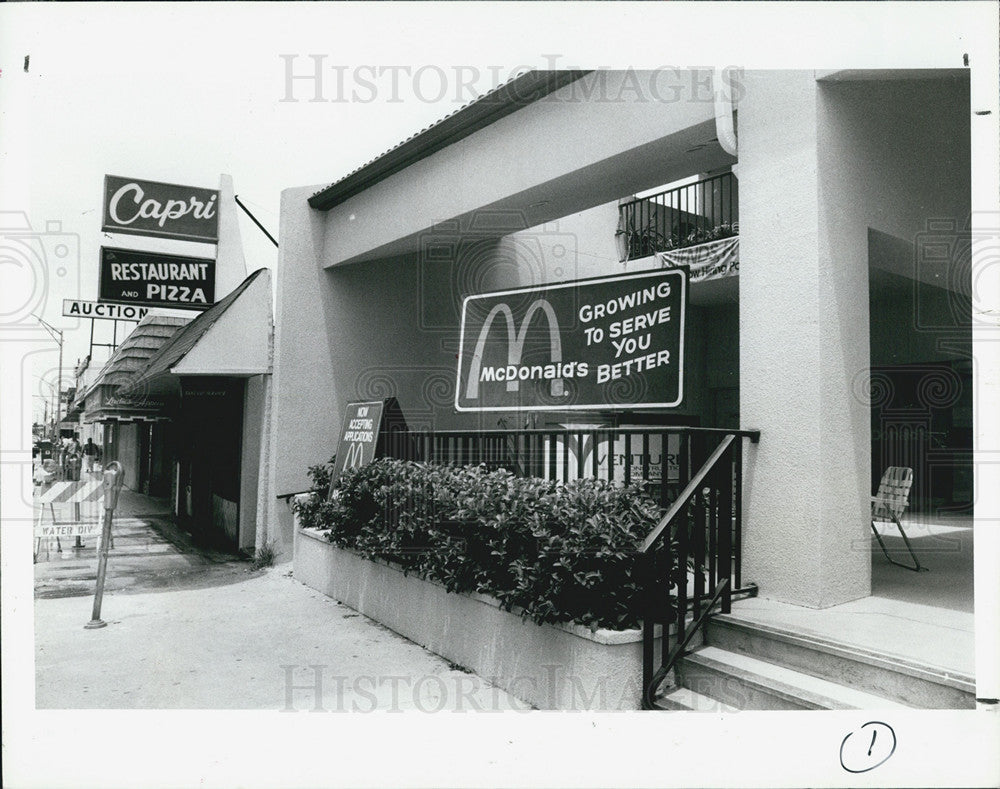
(359, 436)
(608, 343)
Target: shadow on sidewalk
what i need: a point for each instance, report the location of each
(151, 553)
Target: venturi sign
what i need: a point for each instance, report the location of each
(151, 208)
(608, 343)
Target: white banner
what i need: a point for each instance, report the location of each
(712, 260)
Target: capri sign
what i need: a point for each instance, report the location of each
(608, 343)
(151, 208)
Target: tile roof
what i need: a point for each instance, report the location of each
(138, 348)
(173, 350)
(517, 92)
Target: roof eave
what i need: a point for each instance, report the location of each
(488, 109)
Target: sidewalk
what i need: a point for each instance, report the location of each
(150, 552)
(266, 643)
(189, 629)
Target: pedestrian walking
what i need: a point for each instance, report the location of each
(73, 453)
(90, 454)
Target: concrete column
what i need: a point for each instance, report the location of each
(804, 355)
(303, 416)
(230, 263)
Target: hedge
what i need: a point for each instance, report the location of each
(555, 552)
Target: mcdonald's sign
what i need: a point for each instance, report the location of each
(598, 344)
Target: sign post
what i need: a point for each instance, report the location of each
(113, 480)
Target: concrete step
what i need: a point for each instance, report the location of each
(887, 676)
(686, 700)
(746, 683)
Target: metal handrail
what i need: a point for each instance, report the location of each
(649, 692)
(685, 496)
(684, 216)
(669, 525)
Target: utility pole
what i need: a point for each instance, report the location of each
(54, 331)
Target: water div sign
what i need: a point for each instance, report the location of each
(152, 279)
(152, 208)
(607, 343)
(73, 308)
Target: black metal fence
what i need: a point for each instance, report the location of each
(703, 211)
(659, 457)
(691, 559)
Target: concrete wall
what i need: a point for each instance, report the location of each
(560, 666)
(253, 415)
(303, 385)
(577, 246)
(595, 150)
(821, 164)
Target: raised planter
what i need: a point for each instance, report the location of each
(553, 667)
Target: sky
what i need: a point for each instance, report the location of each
(206, 94)
(185, 92)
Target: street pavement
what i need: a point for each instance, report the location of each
(190, 628)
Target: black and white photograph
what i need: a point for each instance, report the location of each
(500, 394)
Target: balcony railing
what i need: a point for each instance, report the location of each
(707, 210)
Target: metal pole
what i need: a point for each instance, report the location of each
(247, 212)
(59, 395)
(112, 485)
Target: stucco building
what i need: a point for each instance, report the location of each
(836, 319)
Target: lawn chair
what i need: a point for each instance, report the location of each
(888, 505)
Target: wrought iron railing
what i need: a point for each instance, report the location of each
(692, 558)
(687, 215)
(659, 457)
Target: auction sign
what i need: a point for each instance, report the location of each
(151, 208)
(607, 343)
(152, 279)
(74, 308)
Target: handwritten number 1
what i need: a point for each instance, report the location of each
(851, 758)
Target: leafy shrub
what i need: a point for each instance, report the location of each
(557, 552)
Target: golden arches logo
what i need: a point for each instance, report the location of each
(515, 344)
(355, 455)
